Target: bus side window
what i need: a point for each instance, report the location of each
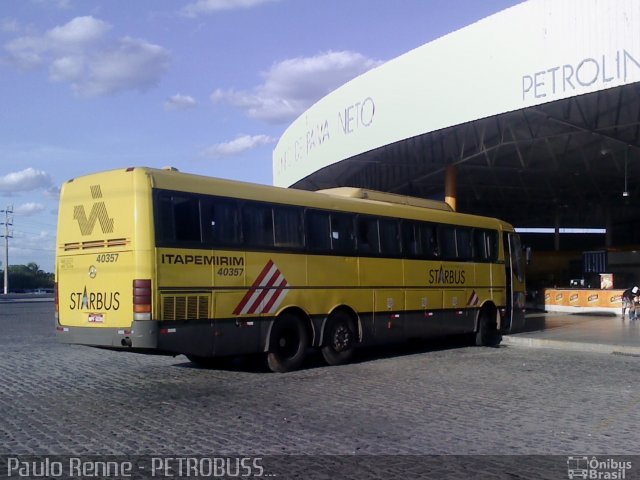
(368, 241)
(448, 242)
(480, 245)
(389, 237)
(463, 243)
(342, 233)
(429, 240)
(287, 223)
(257, 224)
(492, 245)
(186, 219)
(221, 220)
(411, 246)
(318, 230)
(165, 227)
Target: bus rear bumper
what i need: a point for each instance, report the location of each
(141, 335)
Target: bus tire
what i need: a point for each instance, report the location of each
(288, 344)
(340, 339)
(487, 334)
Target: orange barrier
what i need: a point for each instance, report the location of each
(582, 298)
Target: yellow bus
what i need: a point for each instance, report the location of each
(158, 261)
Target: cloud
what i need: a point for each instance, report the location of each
(76, 37)
(293, 85)
(26, 180)
(30, 208)
(210, 6)
(78, 33)
(28, 247)
(81, 53)
(131, 64)
(52, 192)
(26, 52)
(180, 102)
(237, 146)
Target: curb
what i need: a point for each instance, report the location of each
(570, 346)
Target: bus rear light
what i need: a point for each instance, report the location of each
(56, 303)
(142, 299)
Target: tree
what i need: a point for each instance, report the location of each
(28, 277)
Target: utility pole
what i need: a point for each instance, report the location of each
(8, 221)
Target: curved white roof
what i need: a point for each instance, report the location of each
(536, 52)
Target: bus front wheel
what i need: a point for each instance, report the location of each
(287, 344)
(487, 334)
(340, 339)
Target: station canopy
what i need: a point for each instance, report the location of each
(536, 110)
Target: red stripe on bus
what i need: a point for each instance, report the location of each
(263, 293)
(279, 291)
(253, 288)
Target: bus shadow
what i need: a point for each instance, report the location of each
(412, 347)
(313, 360)
(244, 363)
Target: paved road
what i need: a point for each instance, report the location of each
(73, 400)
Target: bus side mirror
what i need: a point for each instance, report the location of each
(528, 254)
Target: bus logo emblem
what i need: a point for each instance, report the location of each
(98, 212)
(266, 294)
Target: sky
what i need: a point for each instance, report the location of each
(206, 86)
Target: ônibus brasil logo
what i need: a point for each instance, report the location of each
(596, 468)
(98, 212)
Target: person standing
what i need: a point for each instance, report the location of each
(630, 301)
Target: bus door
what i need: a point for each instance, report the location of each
(515, 283)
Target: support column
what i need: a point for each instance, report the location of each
(556, 236)
(450, 186)
(608, 239)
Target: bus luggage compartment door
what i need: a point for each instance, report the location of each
(388, 318)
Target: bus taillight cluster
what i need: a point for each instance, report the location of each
(142, 299)
(55, 299)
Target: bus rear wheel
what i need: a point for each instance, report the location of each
(287, 344)
(340, 339)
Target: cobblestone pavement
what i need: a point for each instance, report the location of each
(74, 400)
